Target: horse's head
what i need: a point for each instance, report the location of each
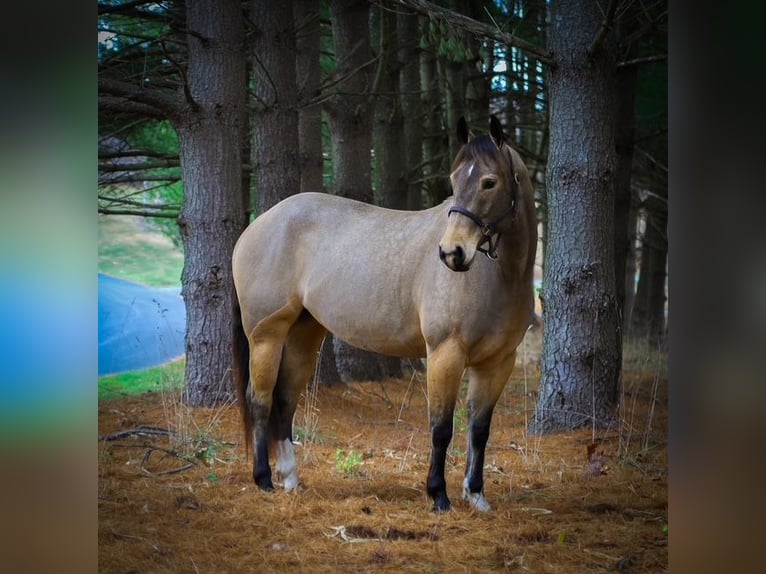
(485, 188)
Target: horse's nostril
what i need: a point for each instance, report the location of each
(458, 256)
(442, 255)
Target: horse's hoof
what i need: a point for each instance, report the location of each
(477, 500)
(290, 482)
(264, 483)
(441, 504)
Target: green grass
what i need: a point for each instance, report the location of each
(164, 377)
(130, 248)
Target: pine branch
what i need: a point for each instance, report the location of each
(644, 60)
(478, 28)
(606, 26)
(139, 166)
(138, 212)
(130, 93)
(107, 156)
(121, 105)
(129, 178)
(122, 202)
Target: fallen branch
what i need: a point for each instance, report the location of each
(151, 451)
(138, 431)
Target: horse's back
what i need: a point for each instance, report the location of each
(351, 265)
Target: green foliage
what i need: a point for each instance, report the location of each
(349, 463)
(159, 136)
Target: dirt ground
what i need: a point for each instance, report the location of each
(184, 500)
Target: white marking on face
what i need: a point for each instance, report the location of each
(470, 169)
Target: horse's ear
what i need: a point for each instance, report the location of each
(462, 130)
(496, 131)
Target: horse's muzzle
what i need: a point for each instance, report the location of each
(454, 259)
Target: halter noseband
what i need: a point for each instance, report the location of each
(487, 227)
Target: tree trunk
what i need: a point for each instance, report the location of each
(388, 128)
(581, 342)
(275, 150)
(211, 133)
(648, 317)
(349, 113)
(307, 24)
(351, 135)
(434, 150)
(454, 82)
(626, 98)
(408, 27)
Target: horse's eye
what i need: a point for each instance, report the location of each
(488, 184)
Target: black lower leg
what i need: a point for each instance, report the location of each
(478, 434)
(261, 468)
(441, 434)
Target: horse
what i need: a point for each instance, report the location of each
(401, 283)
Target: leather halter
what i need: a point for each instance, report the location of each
(488, 227)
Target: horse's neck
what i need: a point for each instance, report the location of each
(513, 252)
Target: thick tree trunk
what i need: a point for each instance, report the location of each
(307, 24)
(408, 27)
(581, 341)
(211, 133)
(388, 127)
(349, 112)
(350, 120)
(275, 150)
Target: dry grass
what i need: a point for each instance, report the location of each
(550, 514)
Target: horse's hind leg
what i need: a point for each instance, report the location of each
(299, 358)
(486, 384)
(266, 343)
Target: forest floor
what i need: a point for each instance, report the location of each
(176, 492)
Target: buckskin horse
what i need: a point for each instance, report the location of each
(402, 283)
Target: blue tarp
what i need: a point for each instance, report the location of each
(138, 326)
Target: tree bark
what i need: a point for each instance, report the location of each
(434, 149)
(211, 131)
(307, 23)
(581, 340)
(275, 124)
(349, 113)
(388, 126)
(454, 87)
(625, 122)
(408, 28)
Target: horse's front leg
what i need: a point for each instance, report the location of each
(446, 364)
(486, 384)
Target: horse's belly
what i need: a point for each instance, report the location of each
(372, 327)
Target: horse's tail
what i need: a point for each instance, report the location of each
(241, 370)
